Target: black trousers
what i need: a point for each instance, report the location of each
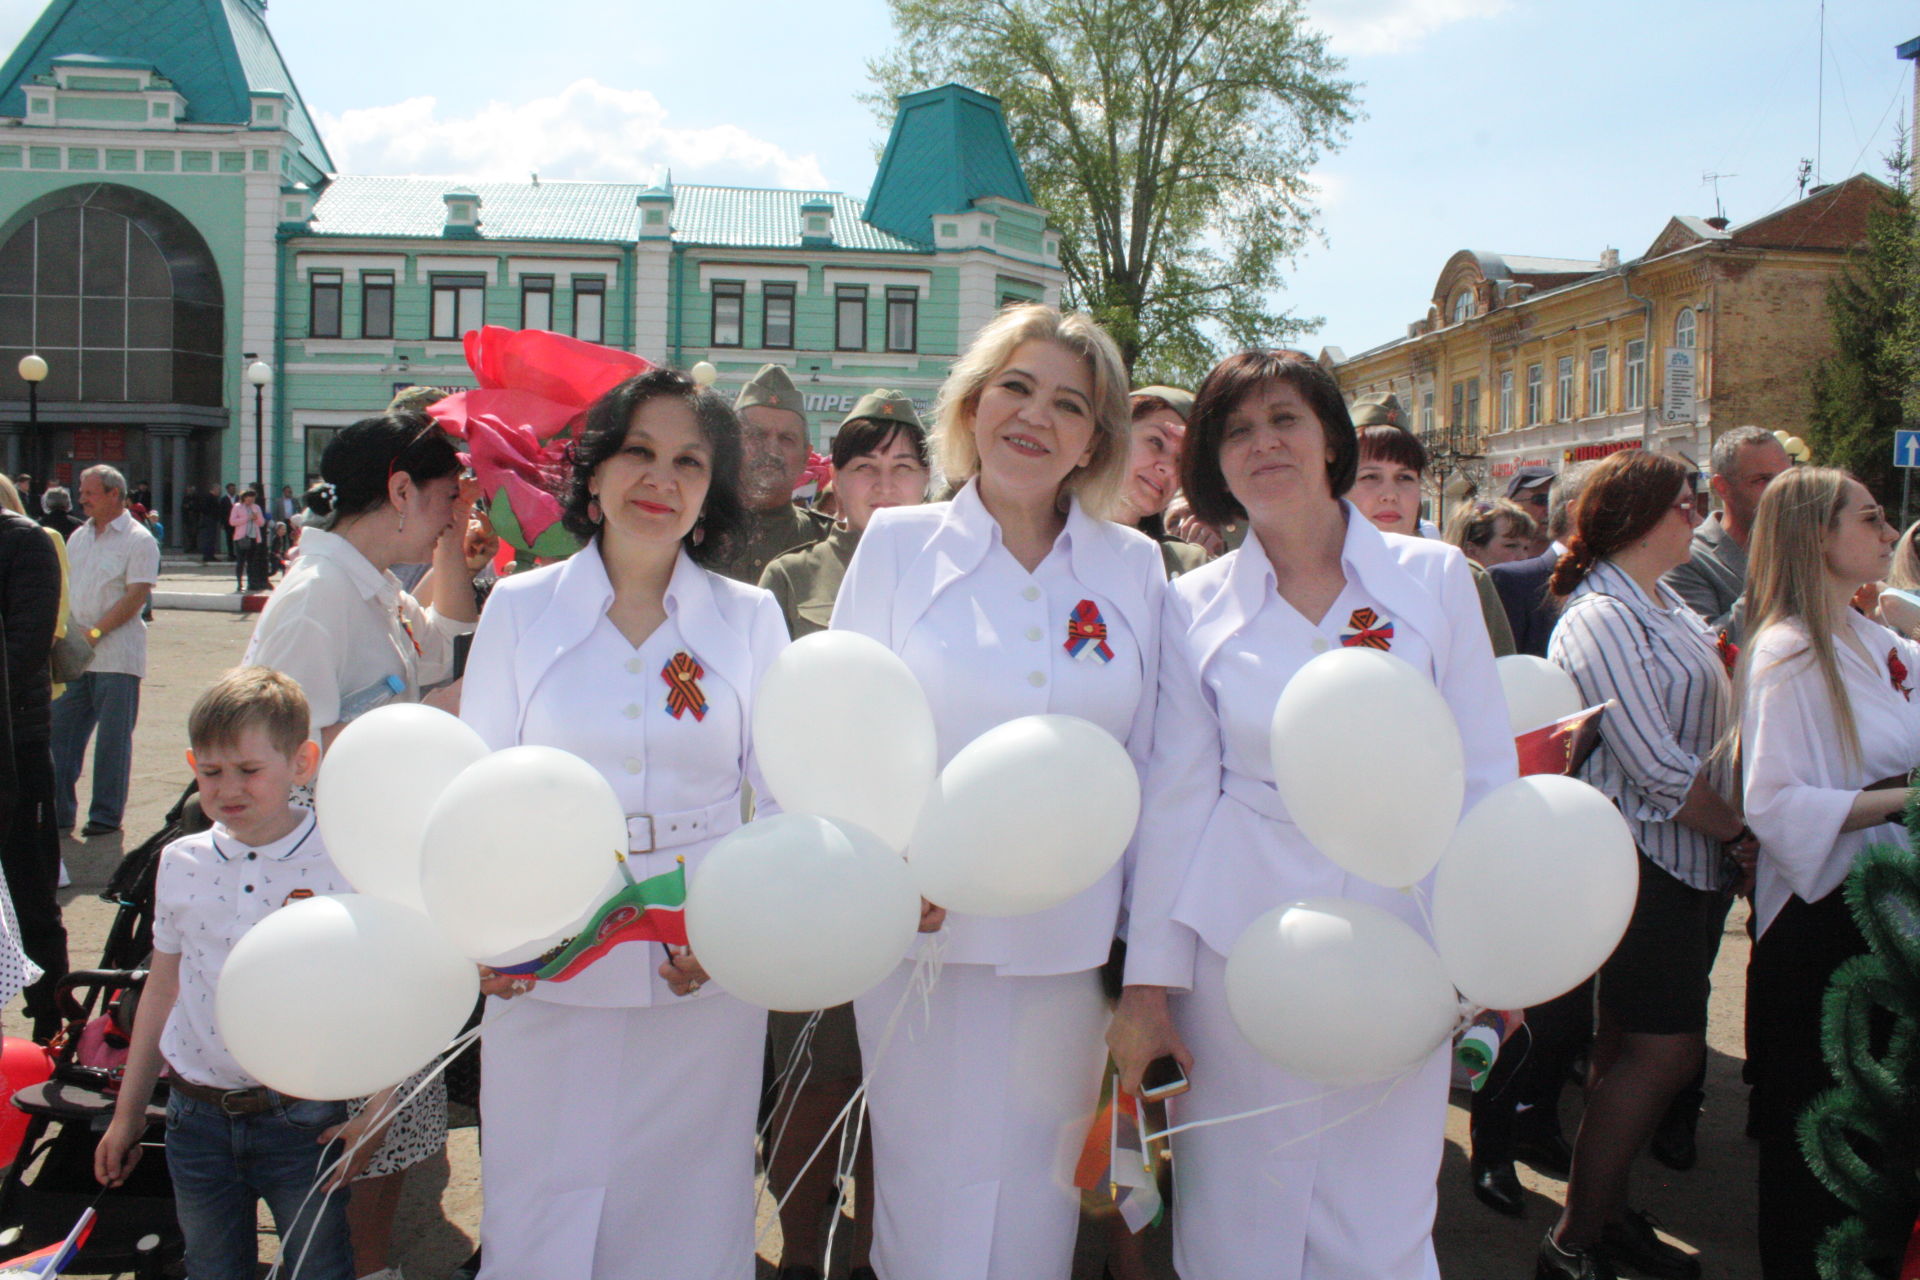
(1523, 1089)
(1787, 979)
(30, 856)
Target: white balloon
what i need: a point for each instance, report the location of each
(1345, 717)
(1338, 991)
(1025, 816)
(799, 912)
(1534, 892)
(339, 997)
(379, 779)
(1538, 692)
(842, 728)
(519, 849)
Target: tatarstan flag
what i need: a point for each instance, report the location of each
(651, 910)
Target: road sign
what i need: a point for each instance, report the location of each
(1906, 448)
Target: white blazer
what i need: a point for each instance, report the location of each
(988, 641)
(549, 668)
(1215, 847)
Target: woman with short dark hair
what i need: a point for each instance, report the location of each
(620, 1104)
(1271, 445)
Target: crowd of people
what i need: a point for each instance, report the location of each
(1156, 561)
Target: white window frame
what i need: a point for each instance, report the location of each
(462, 306)
(1506, 400)
(1686, 329)
(534, 287)
(1633, 375)
(1563, 389)
(1598, 361)
(590, 308)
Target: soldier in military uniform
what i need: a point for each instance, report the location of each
(773, 428)
(879, 460)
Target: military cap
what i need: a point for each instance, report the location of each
(886, 406)
(1381, 410)
(771, 388)
(1181, 402)
(415, 399)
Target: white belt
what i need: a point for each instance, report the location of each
(649, 832)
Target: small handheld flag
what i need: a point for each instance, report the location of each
(650, 910)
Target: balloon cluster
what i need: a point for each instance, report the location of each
(1531, 889)
(816, 906)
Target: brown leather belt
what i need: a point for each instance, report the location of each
(232, 1102)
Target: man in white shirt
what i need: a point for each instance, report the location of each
(112, 564)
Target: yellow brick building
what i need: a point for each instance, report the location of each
(1526, 360)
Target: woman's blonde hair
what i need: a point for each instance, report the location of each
(1905, 573)
(10, 497)
(1787, 577)
(1097, 484)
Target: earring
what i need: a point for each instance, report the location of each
(593, 510)
(700, 530)
(403, 521)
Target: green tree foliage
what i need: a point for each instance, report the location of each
(1870, 385)
(1168, 139)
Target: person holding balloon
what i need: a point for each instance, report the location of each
(1830, 733)
(1629, 640)
(620, 1104)
(879, 462)
(1325, 1182)
(342, 626)
(1016, 598)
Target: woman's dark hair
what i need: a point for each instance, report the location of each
(605, 430)
(363, 457)
(1625, 497)
(1393, 446)
(1231, 382)
(870, 435)
(318, 500)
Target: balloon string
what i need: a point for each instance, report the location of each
(1394, 1083)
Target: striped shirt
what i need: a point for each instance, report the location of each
(1657, 662)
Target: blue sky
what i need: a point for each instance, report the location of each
(1553, 127)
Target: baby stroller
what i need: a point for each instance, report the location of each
(50, 1182)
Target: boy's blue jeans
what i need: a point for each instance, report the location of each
(222, 1165)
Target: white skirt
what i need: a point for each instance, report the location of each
(619, 1142)
(979, 1113)
(1336, 1188)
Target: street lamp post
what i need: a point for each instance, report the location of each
(260, 374)
(33, 371)
(1450, 452)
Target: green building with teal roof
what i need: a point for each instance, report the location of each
(169, 217)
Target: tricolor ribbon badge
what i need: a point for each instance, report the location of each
(1367, 630)
(684, 694)
(1087, 634)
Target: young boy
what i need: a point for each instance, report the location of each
(230, 1140)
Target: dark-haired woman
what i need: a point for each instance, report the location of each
(1153, 473)
(1335, 1186)
(1626, 638)
(341, 625)
(620, 1105)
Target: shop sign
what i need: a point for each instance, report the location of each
(1595, 452)
(86, 442)
(1501, 470)
(113, 444)
(820, 403)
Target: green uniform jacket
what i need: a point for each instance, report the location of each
(766, 534)
(806, 581)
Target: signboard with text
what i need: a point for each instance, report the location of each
(1678, 388)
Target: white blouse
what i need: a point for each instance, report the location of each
(1799, 781)
(1216, 847)
(338, 626)
(665, 722)
(991, 642)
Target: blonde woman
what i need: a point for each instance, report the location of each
(1830, 730)
(983, 1091)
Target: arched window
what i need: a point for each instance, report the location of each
(1684, 328)
(121, 296)
(1463, 306)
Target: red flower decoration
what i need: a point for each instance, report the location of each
(1898, 670)
(1729, 652)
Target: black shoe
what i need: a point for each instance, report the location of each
(1673, 1142)
(1496, 1186)
(1547, 1152)
(1557, 1263)
(1630, 1244)
(93, 829)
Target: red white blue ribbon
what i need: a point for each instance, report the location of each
(1367, 630)
(1087, 634)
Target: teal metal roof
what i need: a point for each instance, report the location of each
(737, 217)
(949, 147)
(216, 53)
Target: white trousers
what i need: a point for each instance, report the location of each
(1339, 1188)
(980, 1105)
(618, 1143)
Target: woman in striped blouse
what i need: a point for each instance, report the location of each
(1626, 638)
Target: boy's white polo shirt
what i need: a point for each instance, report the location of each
(210, 890)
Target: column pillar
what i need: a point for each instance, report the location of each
(11, 435)
(167, 447)
(176, 492)
(156, 478)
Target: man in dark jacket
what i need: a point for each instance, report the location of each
(29, 835)
(1522, 584)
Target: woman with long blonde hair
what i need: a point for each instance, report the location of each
(1830, 732)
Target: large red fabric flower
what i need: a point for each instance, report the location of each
(1898, 670)
(535, 387)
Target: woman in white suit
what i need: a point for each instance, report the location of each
(620, 1105)
(1311, 1190)
(981, 1097)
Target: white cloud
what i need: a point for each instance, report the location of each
(1394, 26)
(1329, 188)
(587, 130)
